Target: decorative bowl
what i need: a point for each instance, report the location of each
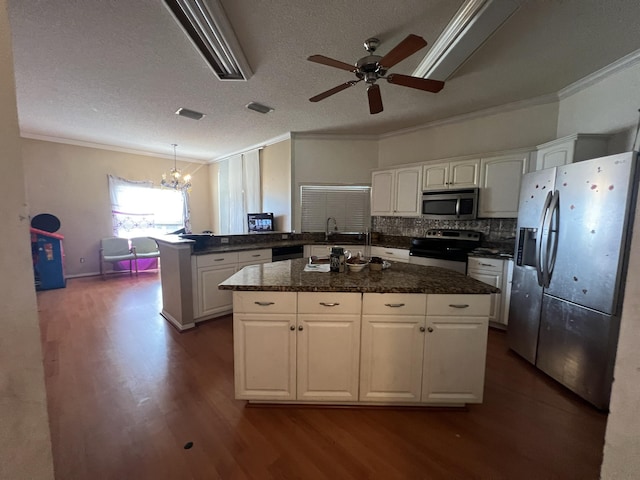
(356, 267)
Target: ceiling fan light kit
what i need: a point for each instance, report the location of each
(371, 68)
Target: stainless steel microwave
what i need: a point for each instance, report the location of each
(450, 204)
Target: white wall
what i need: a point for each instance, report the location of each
(25, 445)
(70, 182)
(469, 135)
(275, 167)
(611, 106)
(322, 161)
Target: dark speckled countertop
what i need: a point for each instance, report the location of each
(289, 276)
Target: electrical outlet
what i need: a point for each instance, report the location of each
(81, 259)
(224, 240)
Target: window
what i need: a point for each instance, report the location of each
(139, 209)
(349, 205)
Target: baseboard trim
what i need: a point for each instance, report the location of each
(172, 320)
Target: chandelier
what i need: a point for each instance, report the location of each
(174, 178)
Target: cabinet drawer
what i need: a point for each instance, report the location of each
(214, 259)
(459, 305)
(264, 302)
(397, 254)
(394, 304)
(329, 302)
(492, 264)
(254, 255)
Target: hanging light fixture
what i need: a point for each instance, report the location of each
(174, 178)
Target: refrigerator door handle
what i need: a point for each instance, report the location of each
(552, 238)
(543, 218)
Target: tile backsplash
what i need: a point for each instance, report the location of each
(493, 229)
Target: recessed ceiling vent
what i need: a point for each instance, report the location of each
(258, 107)
(206, 24)
(192, 114)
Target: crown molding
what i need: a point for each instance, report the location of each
(258, 146)
(332, 136)
(619, 65)
(507, 107)
(101, 146)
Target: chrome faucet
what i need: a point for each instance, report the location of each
(335, 228)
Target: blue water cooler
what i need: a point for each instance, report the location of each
(48, 259)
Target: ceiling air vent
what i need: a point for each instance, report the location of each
(192, 114)
(258, 107)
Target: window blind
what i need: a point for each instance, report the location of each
(349, 205)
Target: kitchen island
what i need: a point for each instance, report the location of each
(408, 335)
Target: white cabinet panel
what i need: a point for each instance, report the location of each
(382, 192)
(570, 149)
(457, 174)
(210, 300)
(500, 185)
(396, 192)
(392, 254)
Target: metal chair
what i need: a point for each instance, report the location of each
(144, 247)
(114, 250)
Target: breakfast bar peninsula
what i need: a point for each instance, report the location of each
(406, 335)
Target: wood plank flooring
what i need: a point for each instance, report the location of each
(126, 392)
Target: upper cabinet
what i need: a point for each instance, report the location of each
(458, 174)
(396, 192)
(573, 148)
(500, 179)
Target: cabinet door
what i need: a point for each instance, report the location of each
(555, 156)
(435, 177)
(210, 300)
(264, 356)
(328, 354)
(495, 280)
(454, 359)
(392, 254)
(408, 192)
(382, 192)
(464, 174)
(391, 358)
(500, 185)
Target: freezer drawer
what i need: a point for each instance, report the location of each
(577, 347)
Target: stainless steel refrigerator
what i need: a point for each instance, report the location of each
(573, 233)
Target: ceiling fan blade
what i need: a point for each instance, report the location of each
(406, 47)
(328, 93)
(415, 82)
(331, 62)
(375, 99)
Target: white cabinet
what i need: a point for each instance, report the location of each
(392, 347)
(423, 348)
(328, 346)
(498, 273)
(570, 149)
(500, 180)
(303, 346)
(455, 349)
(457, 174)
(264, 345)
(208, 271)
(392, 254)
(396, 192)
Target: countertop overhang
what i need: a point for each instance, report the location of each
(289, 276)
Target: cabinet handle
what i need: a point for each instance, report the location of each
(218, 259)
(324, 304)
(264, 304)
(459, 305)
(300, 328)
(394, 305)
(422, 329)
(389, 253)
(430, 329)
(292, 328)
(486, 265)
(255, 255)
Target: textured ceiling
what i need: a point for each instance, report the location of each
(114, 72)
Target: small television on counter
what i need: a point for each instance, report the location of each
(260, 222)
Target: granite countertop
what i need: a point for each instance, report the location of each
(288, 276)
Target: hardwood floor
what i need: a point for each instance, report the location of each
(126, 392)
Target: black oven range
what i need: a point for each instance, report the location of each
(444, 248)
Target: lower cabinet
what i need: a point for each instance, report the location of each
(326, 347)
(392, 254)
(309, 356)
(496, 272)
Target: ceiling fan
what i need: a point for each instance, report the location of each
(373, 67)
